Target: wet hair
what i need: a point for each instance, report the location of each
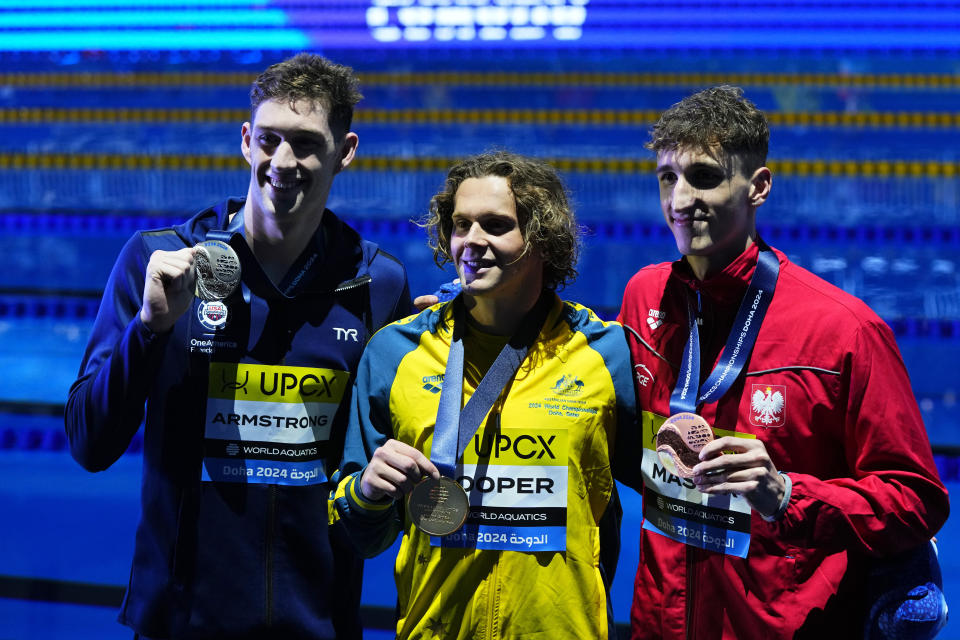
(544, 213)
(716, 117)
(310, 77)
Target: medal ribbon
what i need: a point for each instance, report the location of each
(454, 427)
(686, 396)
(253, 272)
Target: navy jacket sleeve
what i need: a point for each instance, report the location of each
(106, 403)
(372, 525)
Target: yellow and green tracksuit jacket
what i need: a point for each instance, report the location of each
(538, 550)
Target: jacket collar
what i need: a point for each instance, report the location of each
(728, 285)
(346, 257)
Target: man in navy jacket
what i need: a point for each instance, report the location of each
(243, 396)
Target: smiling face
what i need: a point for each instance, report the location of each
(488, 247)
(710, 207)
(293, 157)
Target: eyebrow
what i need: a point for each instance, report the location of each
(707, 165)
(287, 131)
(695, 165)
(484, 214)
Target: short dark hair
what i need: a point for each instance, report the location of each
(544, 212)
(715, 117)
(310, 77)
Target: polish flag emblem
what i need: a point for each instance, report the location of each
(767, 405)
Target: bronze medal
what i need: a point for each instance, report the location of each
(218, 270)
(438, 507)
(679, 441)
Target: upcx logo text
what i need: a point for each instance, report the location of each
(523, 446)
(307, 385)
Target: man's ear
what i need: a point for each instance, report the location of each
(245, 132)
(760, 184)
(348, 149)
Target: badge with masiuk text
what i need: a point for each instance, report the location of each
(438, 506)
(218, 270)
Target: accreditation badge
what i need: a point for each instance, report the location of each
(516, 483)
(673, 507)
(269, 424)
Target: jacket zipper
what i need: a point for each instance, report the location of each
(493, 622)
(496, 414)
(268, 554)
(696, 556)
(689, 632)
(353, 284)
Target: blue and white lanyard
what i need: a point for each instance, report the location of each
(686, 396)
(307, 265)
(454, 427)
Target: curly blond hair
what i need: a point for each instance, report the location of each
(546, 218)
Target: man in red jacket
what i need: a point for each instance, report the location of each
(821, 463)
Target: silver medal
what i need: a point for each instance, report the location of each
(218, 270)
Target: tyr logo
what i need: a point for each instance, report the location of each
(346, 334)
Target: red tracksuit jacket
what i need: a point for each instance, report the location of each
(845, 427)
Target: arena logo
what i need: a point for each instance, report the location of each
(212, 314)
(467, 20)
(655, 318)
(428, 383)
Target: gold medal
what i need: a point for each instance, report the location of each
(218, 270)
(679, 441)
(438, 507)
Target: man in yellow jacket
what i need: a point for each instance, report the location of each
(482, 428)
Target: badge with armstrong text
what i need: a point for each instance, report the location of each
(270, 424)
(218, 270)
(438, 506)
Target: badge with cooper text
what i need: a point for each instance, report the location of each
(438, 507)
(679, 441)
(218, 270)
